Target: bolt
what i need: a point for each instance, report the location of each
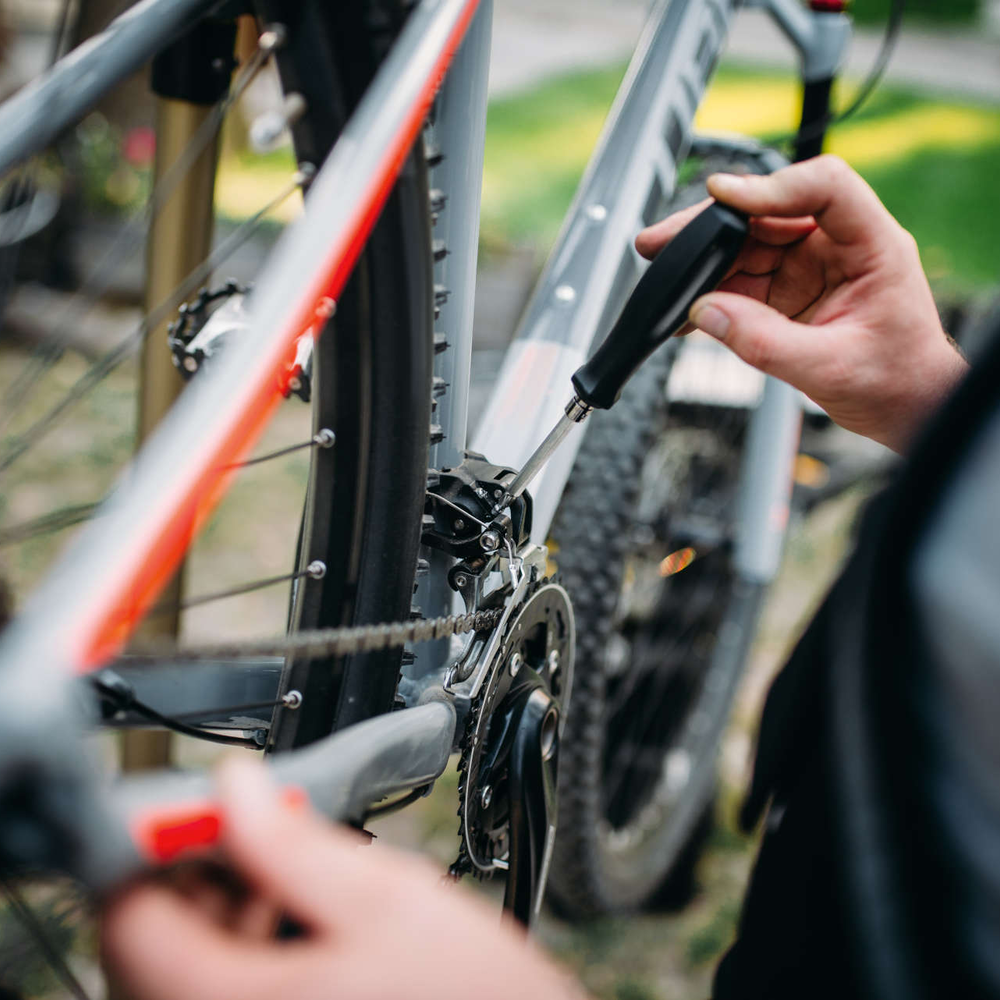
(292, 700)
(273, 37)
(305, 174)
(190, 364)
(316, 569)
(325, 438)
(295, 383)
(461, 581)
(514, 664)
(490, 540)
(459, 524)
(554, 661)
(486, 797)
(260, 737)
(497, 494)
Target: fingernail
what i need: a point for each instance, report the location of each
(710, 318)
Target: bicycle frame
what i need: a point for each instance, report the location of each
(167, 494)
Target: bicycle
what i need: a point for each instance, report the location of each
(464, 528)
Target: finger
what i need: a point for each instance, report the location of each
(144, 932)
(758, 258)
(654, 238)
(257, 920)
(760, 335)
(756, 286)
(289, 854)
(782, 232)
(843, 205)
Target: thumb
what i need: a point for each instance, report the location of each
(763, 337)
(285, 850)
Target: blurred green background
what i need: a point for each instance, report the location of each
(931, 160)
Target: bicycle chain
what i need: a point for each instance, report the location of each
(342, 641)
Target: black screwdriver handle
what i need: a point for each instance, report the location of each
(690, 265)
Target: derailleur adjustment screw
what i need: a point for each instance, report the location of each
(554, 661)
(272, 37)
(325, 438)
(489, 541)
(316, 569)
(486, 797)
(514, 664)
(293, 699)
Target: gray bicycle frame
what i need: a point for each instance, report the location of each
(590, 273)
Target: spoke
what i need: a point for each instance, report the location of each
(316, 570)
(37, 930)
(133, 231)
(101, 368)
(321, 439)
(55, 520)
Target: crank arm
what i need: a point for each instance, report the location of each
(690, 265)
(532, 772)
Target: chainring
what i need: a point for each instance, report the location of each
(541, 636)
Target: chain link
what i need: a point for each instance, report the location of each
(321, 643)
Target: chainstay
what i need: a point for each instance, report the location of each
(343, 641)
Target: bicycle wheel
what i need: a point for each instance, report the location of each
(371, 375)
(372, 379)
(643, 543)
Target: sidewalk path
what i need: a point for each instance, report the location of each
(533, 40)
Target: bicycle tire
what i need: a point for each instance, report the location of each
(618, 851)
(372, 386)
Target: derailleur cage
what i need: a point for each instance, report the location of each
(459, 519)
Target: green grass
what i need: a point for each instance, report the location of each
(875, 12)
(951, 203)
(932, 161)
(537, 145)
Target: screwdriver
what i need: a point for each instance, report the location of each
(690, 265)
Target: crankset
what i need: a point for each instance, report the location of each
(507, 771)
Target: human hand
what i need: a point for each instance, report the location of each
(376, 923)
(828, 294)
